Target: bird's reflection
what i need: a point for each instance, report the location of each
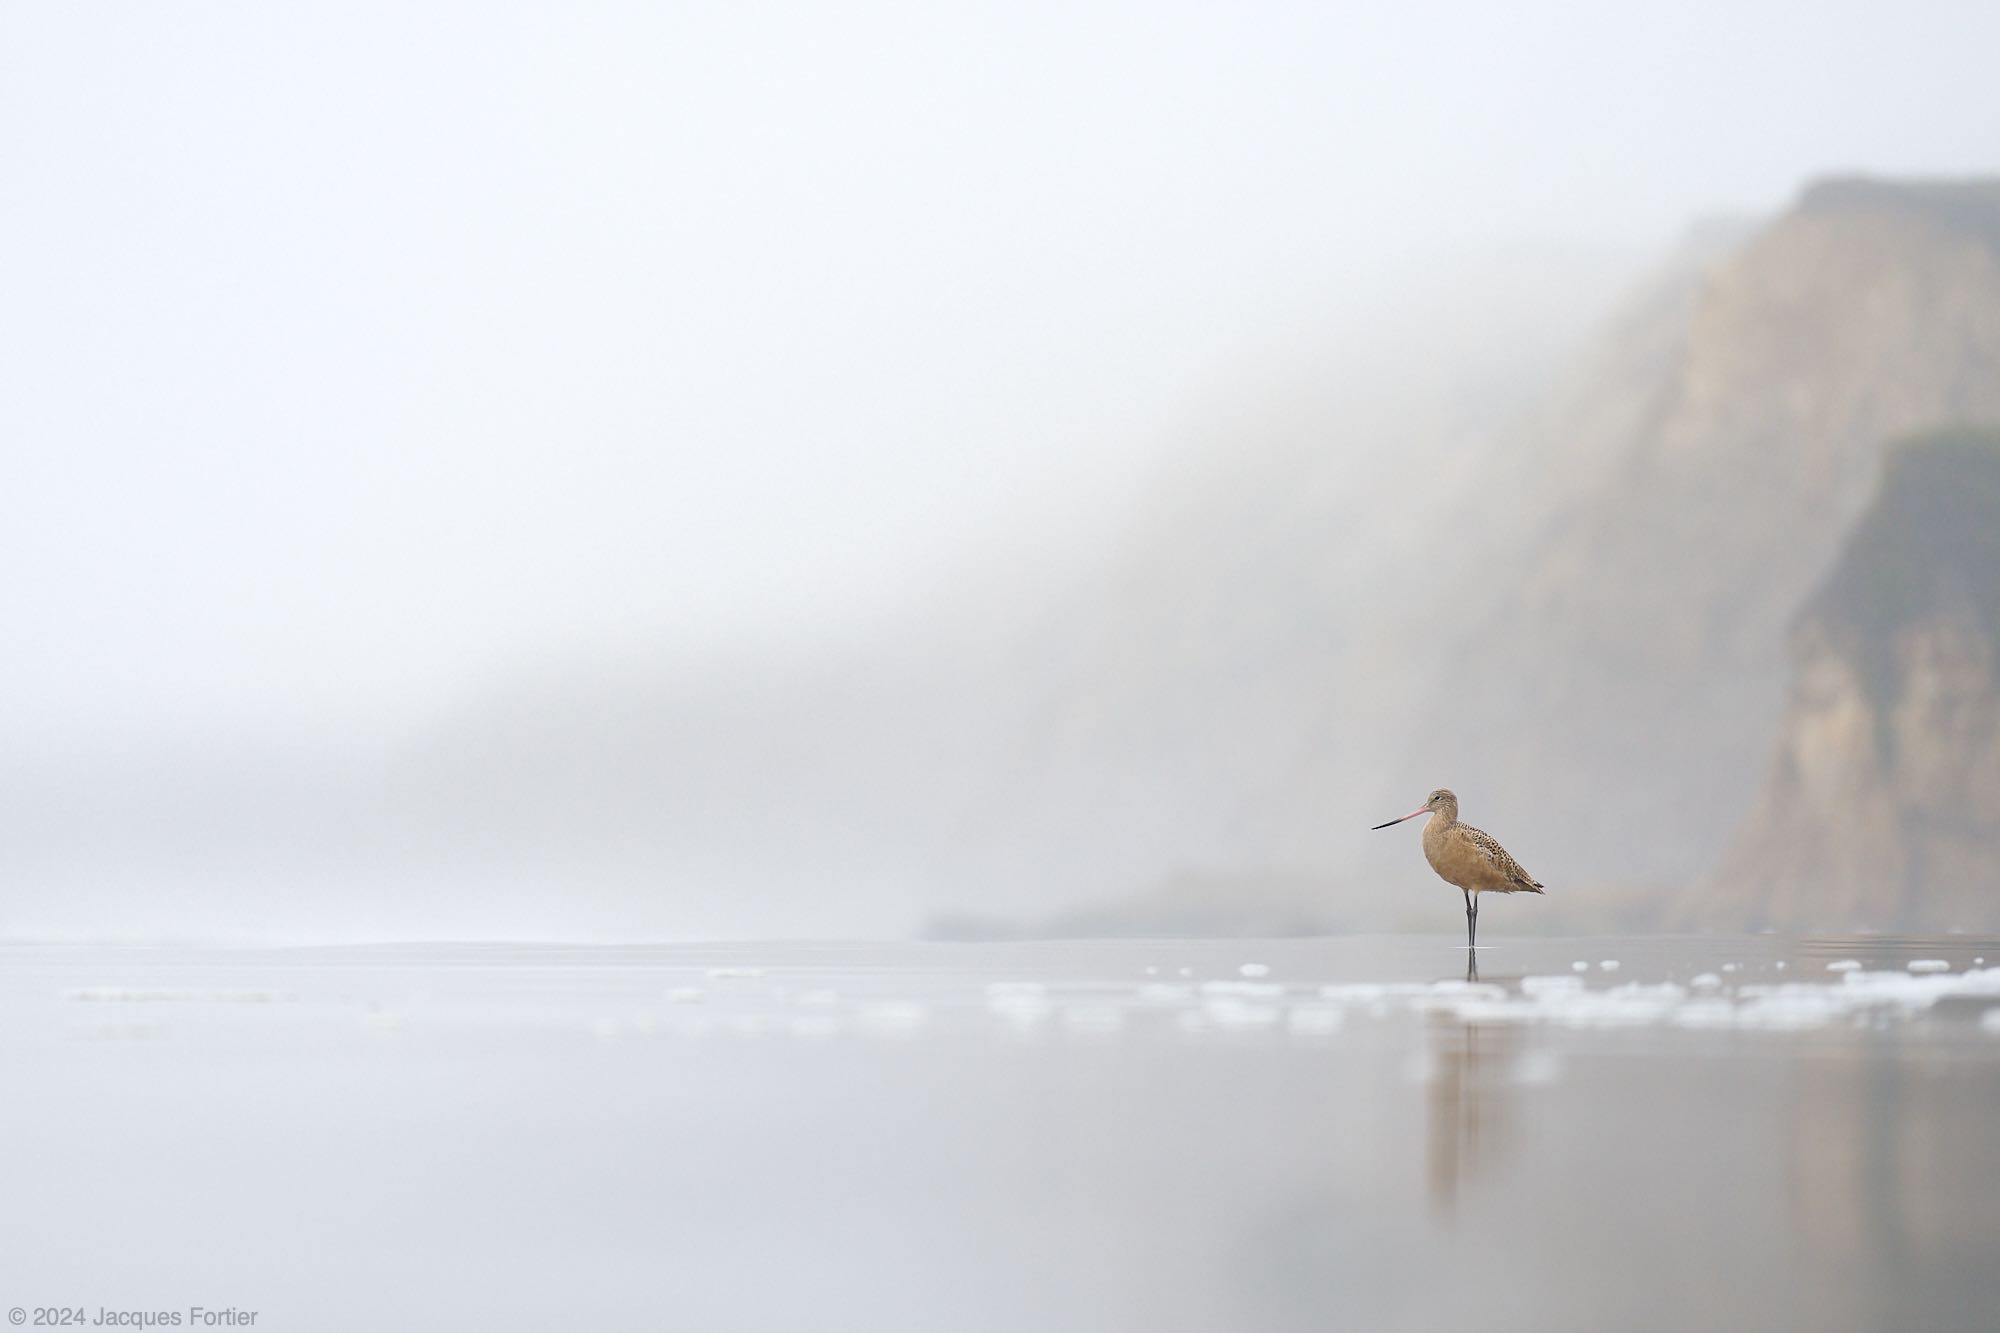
(1468, 1099)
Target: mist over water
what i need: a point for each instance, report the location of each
(409, 411)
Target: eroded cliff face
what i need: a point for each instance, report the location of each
(1619, 700)
(1579, 623)
(1882, 806)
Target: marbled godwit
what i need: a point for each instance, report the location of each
(1467, 857)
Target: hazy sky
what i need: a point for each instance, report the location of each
(350, 349)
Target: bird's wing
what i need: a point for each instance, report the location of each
(1490, 848)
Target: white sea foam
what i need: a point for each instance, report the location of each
(1453, 986)
(1251, 989)
(1233, 1011)
(1869, 998)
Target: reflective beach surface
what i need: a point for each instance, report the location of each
(1161, 1135)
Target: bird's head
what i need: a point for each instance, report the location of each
(1439, 802)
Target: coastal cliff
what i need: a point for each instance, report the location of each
(1882, 805)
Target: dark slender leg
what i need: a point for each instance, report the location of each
(1471, 921)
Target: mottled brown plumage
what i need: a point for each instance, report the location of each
(1467, 858)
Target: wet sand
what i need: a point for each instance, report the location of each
(1159, 1135)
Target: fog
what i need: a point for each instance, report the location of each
(374, 372)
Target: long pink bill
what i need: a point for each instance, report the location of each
(1422, 809)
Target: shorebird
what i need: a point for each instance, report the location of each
(1467, 857)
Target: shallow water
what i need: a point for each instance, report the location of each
(1339, 1133)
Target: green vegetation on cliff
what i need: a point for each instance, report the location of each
(1928, 546)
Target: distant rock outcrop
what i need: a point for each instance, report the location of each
(1615, 700)
(1578, 622)
(1882, 809)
